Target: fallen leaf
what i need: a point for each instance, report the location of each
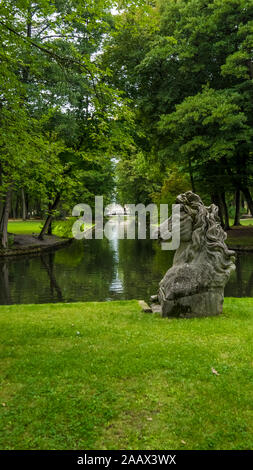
(215, 371)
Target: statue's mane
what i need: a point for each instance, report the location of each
(208, 236)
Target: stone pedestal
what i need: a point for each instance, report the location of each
(204, 304)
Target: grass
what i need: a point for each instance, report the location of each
(27, 227)
(244, 222)
(61, 228)
(107, 376)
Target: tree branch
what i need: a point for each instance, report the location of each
(63, 60)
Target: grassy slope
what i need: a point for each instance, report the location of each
(127, 380)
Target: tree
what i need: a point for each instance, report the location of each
(194, 47)
(52, 53)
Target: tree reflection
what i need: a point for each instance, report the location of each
(48, 263)
(5, 292)
(91, 270)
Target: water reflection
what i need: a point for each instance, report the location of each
(117, 283)
(241, 281)
(48, 263)
(100, 270)
(5, 293)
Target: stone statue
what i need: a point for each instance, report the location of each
(194, 286)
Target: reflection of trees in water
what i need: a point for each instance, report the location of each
(92, 277)
(5, 292)
(241, 281)
(81, 271)
(143, 264)
(48, 263)
(23, 280)
(249, 289)
(86, 270)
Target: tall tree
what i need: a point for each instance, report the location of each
(194, 47)
(55, 47)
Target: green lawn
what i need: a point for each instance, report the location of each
(247, 222)
(107, 376)
(244, 222)
(27, 227)
(61, 228)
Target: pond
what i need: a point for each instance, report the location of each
(99, 270)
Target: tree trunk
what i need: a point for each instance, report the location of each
(49, 217)
(237, 207)
(5, 218)
(24, 209)
(17, 206)
(225, 210)
(216, 199)
(1, 209)
(248, 198)
(13, 210)
(191, 176)
(49, 231)
(1, 197)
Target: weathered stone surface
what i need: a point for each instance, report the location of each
(197, 305)
(145, 307)
(156, 308)
(194, 286)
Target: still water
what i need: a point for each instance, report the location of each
(100, 270)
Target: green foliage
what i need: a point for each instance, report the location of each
(56, 109)
(174, 183)
(191, 83)
(63, 228)
(157, 84)
(137, 179)
(205, 129)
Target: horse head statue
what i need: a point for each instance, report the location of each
(194, 285)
